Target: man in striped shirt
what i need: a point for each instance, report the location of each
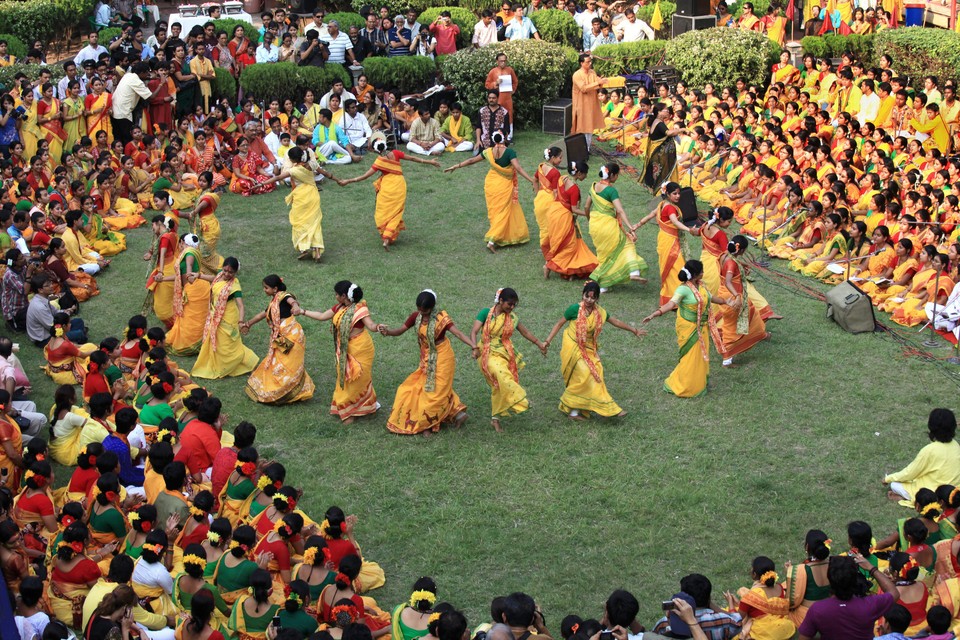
(338, 43)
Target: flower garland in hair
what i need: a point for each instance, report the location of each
(434, 617)
(926, 511)
(263, 482)
(421, 595)
(156, 548)
(344, 614)
(294, 597)
(768, 575)
(246, 468)
(213, 537)
(195, 560)
(197, 511)
(282, 528)
(76, 547)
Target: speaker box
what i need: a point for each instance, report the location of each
(688, 207)
(693, 8)
(682, 24)
(850, 308)
(558, 117)
(576, 148)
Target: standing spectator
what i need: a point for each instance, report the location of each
(202, 68)
(287, 52)
(605, 37)
(317, 25)
(337, 89)
(339, 47)
(585, 17)
(521, 27)
(592, 36)
(398, 38)
(374, 36)
(128, 93)
(493, 117)
(633, 29)
(503, 79)
(587, 116)
(485, 31)
(446, 33)
(424, 44)
(267, 52)
(16, 288)
(313, 51)
(408, 21)
(535, 5)
(92, 51)
(425, 136)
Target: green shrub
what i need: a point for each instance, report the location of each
(628, 57)
(287, 80)
(346, 19)
(759, 8)
(479, 5)
(32, 71)
(919, 52)
(557, 25)
(541, 69)
(721, 55)
(229, 24)
(397, 7)
(409, 74)
(46, 20)
(667, 9)
(461, 17)
(104, 36)
(15, 46)
(573, 61)
(225, 86)
(815, 46)
(834, 45)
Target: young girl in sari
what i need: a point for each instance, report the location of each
(98, 106)
(740, 326)
(508, 226)
(351, 325)
(253, 611)
(316, 570)
(390, 187)
(160, 282)
(191, 300)
(569, 254)
(913, 312)
(612, 234)
(669, 252)
(239, 486)
(585, 391)
(807, 582)
(233, 572)
(499, 362)
(74, 122)
(190, 588)
(763, 606)
(342, 588)
(206, 225)
(223, 353)
(280, 378)
(692, 301)
(108, 526)
(72, 575)
(426, 399)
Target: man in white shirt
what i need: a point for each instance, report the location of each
(633, 28)
(336, 90)
(70, 69)
(272, 140)
(585, 17)
(128, 93)
(338, 44)
(14, 379)
(267, 52)
(869, 102)
(948, 314)
(485, 31)
(86, 78)
(355, 126)
(317, 24)
(92, 51)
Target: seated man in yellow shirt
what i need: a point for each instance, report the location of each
(936, 464)
(457, 130)
(151, 625)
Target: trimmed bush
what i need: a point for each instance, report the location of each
(46, 20)
(479, 5)
(919, 52)
(287, 80)
(667, 9)
(32, 71)
(541, 73)
(397, 7)
(225, 86)
(815, 46)
(409, 74)
(628, 57)
(461, 17)
(229, 24)
(104, 36)
(557, 25)
(15, 46)
(346, 19)
(721, 55)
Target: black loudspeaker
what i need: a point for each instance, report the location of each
(682, 24)
(850, 308)
(558, 117)
(693, 8)
(576, 148)
(688, 207)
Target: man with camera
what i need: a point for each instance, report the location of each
(712, 620)
(446, 33)
(313, 51)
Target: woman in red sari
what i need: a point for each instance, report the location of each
(97, 107)
(249, 172)
(569, 254)
(342, 588)
(740, 325)
(50, 118)
(161, 104)
(240, 49)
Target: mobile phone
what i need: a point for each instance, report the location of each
(668, 605)
(606, 634)
(276, 622)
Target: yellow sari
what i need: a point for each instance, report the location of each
(773, 622)
(508, 226)
(546, 196)
(569, 254)
(163, 291)
(669, 253)
(426, 399)
(391, 189)
(354, 395)
(689, 377)
(616, 254)
(30, 132)
(281, 377)
(191, 303)
(223, 354)
(305, 215)
(75, 129)
(500, 364)
(207, 227)
(878, 295)
(580, 366)
(100, 121)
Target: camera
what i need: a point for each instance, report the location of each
(276, 622)
(668, 605)
(606, 634)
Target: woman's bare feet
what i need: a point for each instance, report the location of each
(776, 316)
(460, 419)
(546, 272)
(492, 248)
(496, 425)
(621, 414)
(347, 421)
(893, 495)
(304, 255)
(639, 279)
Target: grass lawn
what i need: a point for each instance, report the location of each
(797, 436)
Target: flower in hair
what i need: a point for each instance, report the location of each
(133, 516)
(283, 528)
(434, 617)
(156, 548)
(195, 559)
(294, 597)
(546, 154)
(247, 468)
(213, 537)
(67, 520)
(40, 457)
(421, 595)
(342, 577)
(933, 506)
(496, 296)
(323, 529)
(262, 482)
(310, 555)
(58, 330)
(93, 367)
(768, 575)
(291, 503)
(197, 511)
(348, 612)
(139, 332)
(167, 387)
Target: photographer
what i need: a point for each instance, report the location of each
(520, 612)
(16, 289)
(122, 43)
(714, 621)
(313, 51)
(41, 313)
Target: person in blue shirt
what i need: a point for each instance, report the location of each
(331, 140)
(520, 28)
(21, 220)
(398, 39)
(131, 476)
(895, 623)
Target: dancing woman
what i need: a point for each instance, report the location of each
(669, 252)
(191, 299)
(569, 254)
(223, 353)
(612, 233)
(351, 324)
(692, 302)
(660, 155)
(280, 378)
(548, 177)
(740, 325)
(585, 391)
(206, 224)
(426, 399)
(499, 361)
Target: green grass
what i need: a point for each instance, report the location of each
(797, 436)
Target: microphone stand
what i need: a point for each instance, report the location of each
(932, 342)
(763, 262)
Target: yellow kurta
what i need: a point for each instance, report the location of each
(935, 464)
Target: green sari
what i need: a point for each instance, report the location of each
(617, 256)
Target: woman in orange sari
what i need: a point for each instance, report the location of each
(913, 311)
(66, 362)
(390, 187)
(191, 300)
(546, 185)
(50, 120)
(240, 49)
(739, 323)
(669, 252)
(570, 255)
(764, 606)
(917, 284)
(97, 108)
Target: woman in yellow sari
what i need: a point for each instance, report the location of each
(570, 255)
(585, 391)
(391, 188)
(30, 132)
(241, 485)
(917, 283)
(727, 176)
(903, 273)
(764, 607)
(426, 399)
(912, 312)
(253, 612)
(546, 195)
(692, 302)
(206, 224)
(669, 251)
(281, 377)
(306, 218)
(499, 361)
(783, 71)
(740, 325)
(613, 235)
(161, 280)
(74, 122)
(72, 575)
(353, 396)
(223, 354)
(98, 105)
(508, 226)
(834, 245)
(102, 239)
(151, 574)
(191, 300)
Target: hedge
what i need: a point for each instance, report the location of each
(397, 7)
(225, 86)
(105, 35)
(667, 9)
(721, 55)
(409, 74)
(346, 19)
(628, 57)
(541, 68)
(286, 80)
(919, 52)
(32, 71)
(15, 46)
(759, 8)
(463, 18)
(46, 20)
(479, 5)
(557, 25)
(229, 24)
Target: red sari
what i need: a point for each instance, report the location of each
(241, 53)
(160, 111)
(249, 166)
